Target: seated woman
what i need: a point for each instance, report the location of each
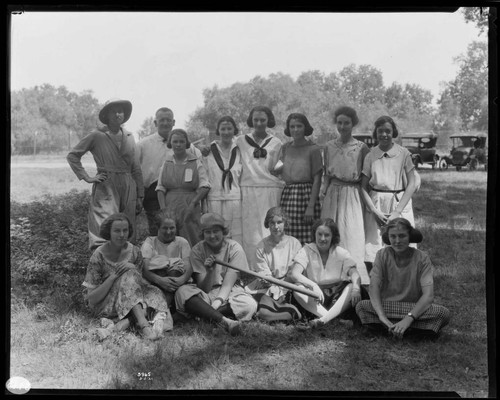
(115, 287)
(166, 257)
(328, 270)
(401, 286)
(216, 293)
(273, 256)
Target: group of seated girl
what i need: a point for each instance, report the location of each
(131, 286)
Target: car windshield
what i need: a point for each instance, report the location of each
(409, 142)
(465, 141)
(423, 143)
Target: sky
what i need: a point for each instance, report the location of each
(166, 59)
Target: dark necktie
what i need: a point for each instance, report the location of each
(226, 173)
(259, 151)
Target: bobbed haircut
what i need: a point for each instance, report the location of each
(303, 119)
(105, 228)
(276, 212)
(229, 119)
(381, 121)
(348, 112)
(415, 234)
(271, 122)
(161, 216)
(178, 132)
(329, 223)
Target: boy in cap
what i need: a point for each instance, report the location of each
(117, 186)
(217, 293)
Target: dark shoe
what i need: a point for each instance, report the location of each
(316, 323)
(232, 327)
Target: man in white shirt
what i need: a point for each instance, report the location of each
(152, 152)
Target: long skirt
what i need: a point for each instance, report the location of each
(255, 202)
(387, 203)
(434, 318)
(294, 201)
(343, 204)
(117, 194)
(126, 292)
(230, 210)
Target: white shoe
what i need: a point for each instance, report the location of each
(162, 322)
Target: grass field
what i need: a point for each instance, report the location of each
(60, 350)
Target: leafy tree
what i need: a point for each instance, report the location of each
(363, 84)
(47, 116)
(477, 16)
(448, 120)
(317, 96)
(147, 128)
(470, 87)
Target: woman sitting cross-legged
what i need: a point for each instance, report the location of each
(402, 287)
(116, 289)
(166, 257)
(217, 294)
(328, 270)
(273, 257)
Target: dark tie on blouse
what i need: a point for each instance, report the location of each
(260, 151)
(226, 173)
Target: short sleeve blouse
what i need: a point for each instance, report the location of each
(300, 163)
(387, 170)
(338, 264)
(345, 161)
(401, 284)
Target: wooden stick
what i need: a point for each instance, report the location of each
(271, 279)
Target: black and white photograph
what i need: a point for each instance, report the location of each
(286, 202)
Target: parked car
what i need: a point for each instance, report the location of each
(366, 138)
(469, 149)
(422, 147)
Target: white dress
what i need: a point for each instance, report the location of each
(386, 172)
(225, 201)
(259, 190)
(343, 203)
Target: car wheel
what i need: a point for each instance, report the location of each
(443, 165)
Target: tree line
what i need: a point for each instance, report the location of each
(53, 119)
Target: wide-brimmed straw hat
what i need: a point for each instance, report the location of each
(209, 220)
(125, 104)
(415, 234)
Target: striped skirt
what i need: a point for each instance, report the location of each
(294, 201)
(434, 318)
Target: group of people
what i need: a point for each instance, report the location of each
(326, 232)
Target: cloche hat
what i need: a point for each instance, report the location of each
(210, 220)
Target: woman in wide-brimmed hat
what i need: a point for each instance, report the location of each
(402, 286)
(117, 186)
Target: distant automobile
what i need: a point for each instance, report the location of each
(469, 149)
(366, 138)
(422, 147)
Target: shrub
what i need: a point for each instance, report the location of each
(49, 248)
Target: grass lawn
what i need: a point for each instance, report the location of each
(60, 350)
